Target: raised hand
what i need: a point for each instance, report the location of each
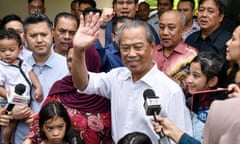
(87, 32)
(107, 15)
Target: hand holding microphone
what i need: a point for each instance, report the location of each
(168, 127)
(17, 97)
(152, 106)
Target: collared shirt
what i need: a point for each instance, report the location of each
(25, 53)
(215, 42)
(54, 69)
(127, 110)
(195, 27)
(110, 57)
(176, 63)
(154, 22)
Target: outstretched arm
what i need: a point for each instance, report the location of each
(173, 132)
(85, 36)
(169, 128)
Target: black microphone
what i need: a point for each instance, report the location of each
(17, 97)
(152, 103)
(74, 140)
(152, 106)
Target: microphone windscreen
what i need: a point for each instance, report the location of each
(147, 93)
(20, 89)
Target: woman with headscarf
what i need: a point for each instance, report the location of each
(90, 114)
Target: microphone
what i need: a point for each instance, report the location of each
(74, 140)
(17, 97)
(152, 103)
(152, 106)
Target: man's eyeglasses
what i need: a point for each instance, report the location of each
(36, 7)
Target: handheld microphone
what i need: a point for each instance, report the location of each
(74, 140)
(152, 106)
(17, 97)
(152, 103)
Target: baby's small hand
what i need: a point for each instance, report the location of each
(38, 95)
(29, 119)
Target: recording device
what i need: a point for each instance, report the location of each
(74, 140)
(152, 103)
(200, 97)
(152, 106)
(17, 97)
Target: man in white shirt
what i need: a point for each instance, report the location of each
(125, 86)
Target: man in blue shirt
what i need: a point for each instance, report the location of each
(110, 55)
(46, 64)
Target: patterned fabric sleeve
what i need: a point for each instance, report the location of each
(33, 134)
(91, 128)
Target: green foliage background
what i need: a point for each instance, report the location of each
(152, 3)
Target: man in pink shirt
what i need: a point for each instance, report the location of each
(173, 55)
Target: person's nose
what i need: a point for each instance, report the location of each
(165, 31)
(55, 132)
(189, 79)
(7, 53)
(67, 35)
(39, 38)
(132, 52)
(228, 42)
(204, 13)
(125, 5)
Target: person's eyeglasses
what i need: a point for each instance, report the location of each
(125, 2)
(35, 7)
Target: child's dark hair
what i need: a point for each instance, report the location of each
(92, 3)
(35, 19)
(10, 34)
(135, 138)
(50, 111)
(86, 11)
(211, 65)
(121, 19)
(9, 18)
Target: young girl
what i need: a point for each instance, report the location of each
(205, 71)
(55, 124)
(13, 71)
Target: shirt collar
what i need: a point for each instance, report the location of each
(195, 26)
(48, 63)
(147, 78)
(178, 49)
(212, 37)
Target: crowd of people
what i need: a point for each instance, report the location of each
(85, 74)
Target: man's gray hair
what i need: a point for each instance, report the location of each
(133, 24)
